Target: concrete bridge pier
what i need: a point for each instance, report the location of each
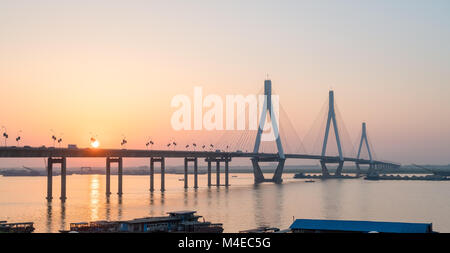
(258, 174)
(374, 169)
(358, 170)
(279, 172)
(217, 173)
(152, 172)
(326, 173)
(163, 172)
(120, 174)
(50, 162)
(108, 176)
(49, 179)
(339, 168)
(185, 173)
(161, 161)
(209, 172)
(186, 165)
(371, 170)
(218, 160)
(119, 162)
(195, 173)
(226, 173)
(63, 196)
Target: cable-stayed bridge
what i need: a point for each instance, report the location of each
(285, 146)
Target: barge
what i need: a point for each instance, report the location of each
(302, 175)
(174, 222)
(18, 227)
(398, 177)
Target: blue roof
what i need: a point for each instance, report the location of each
(362, 226)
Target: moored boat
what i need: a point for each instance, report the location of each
(17, 227)
(180, 221)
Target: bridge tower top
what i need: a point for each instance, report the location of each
(364, 139)
(267, 87)
(331, 101)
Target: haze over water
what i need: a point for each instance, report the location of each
(241, 206)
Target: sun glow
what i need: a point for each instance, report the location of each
(95, 144)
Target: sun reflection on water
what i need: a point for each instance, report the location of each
(94, 186)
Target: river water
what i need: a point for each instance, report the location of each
(240, 206)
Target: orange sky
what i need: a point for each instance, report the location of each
(112, 69)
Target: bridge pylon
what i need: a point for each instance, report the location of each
(366, 141)
(331, 119)
(268, 108)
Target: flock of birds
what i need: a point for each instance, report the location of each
(187, 146)
(173, 144)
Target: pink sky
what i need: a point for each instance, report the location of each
(112, 70)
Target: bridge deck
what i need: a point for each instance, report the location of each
(31, 152)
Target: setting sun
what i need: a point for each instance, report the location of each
(95, 144)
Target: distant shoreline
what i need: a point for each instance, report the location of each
(179, 170)
(132, 173)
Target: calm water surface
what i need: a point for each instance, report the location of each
(241, 206)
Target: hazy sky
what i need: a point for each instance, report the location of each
(111, 68)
